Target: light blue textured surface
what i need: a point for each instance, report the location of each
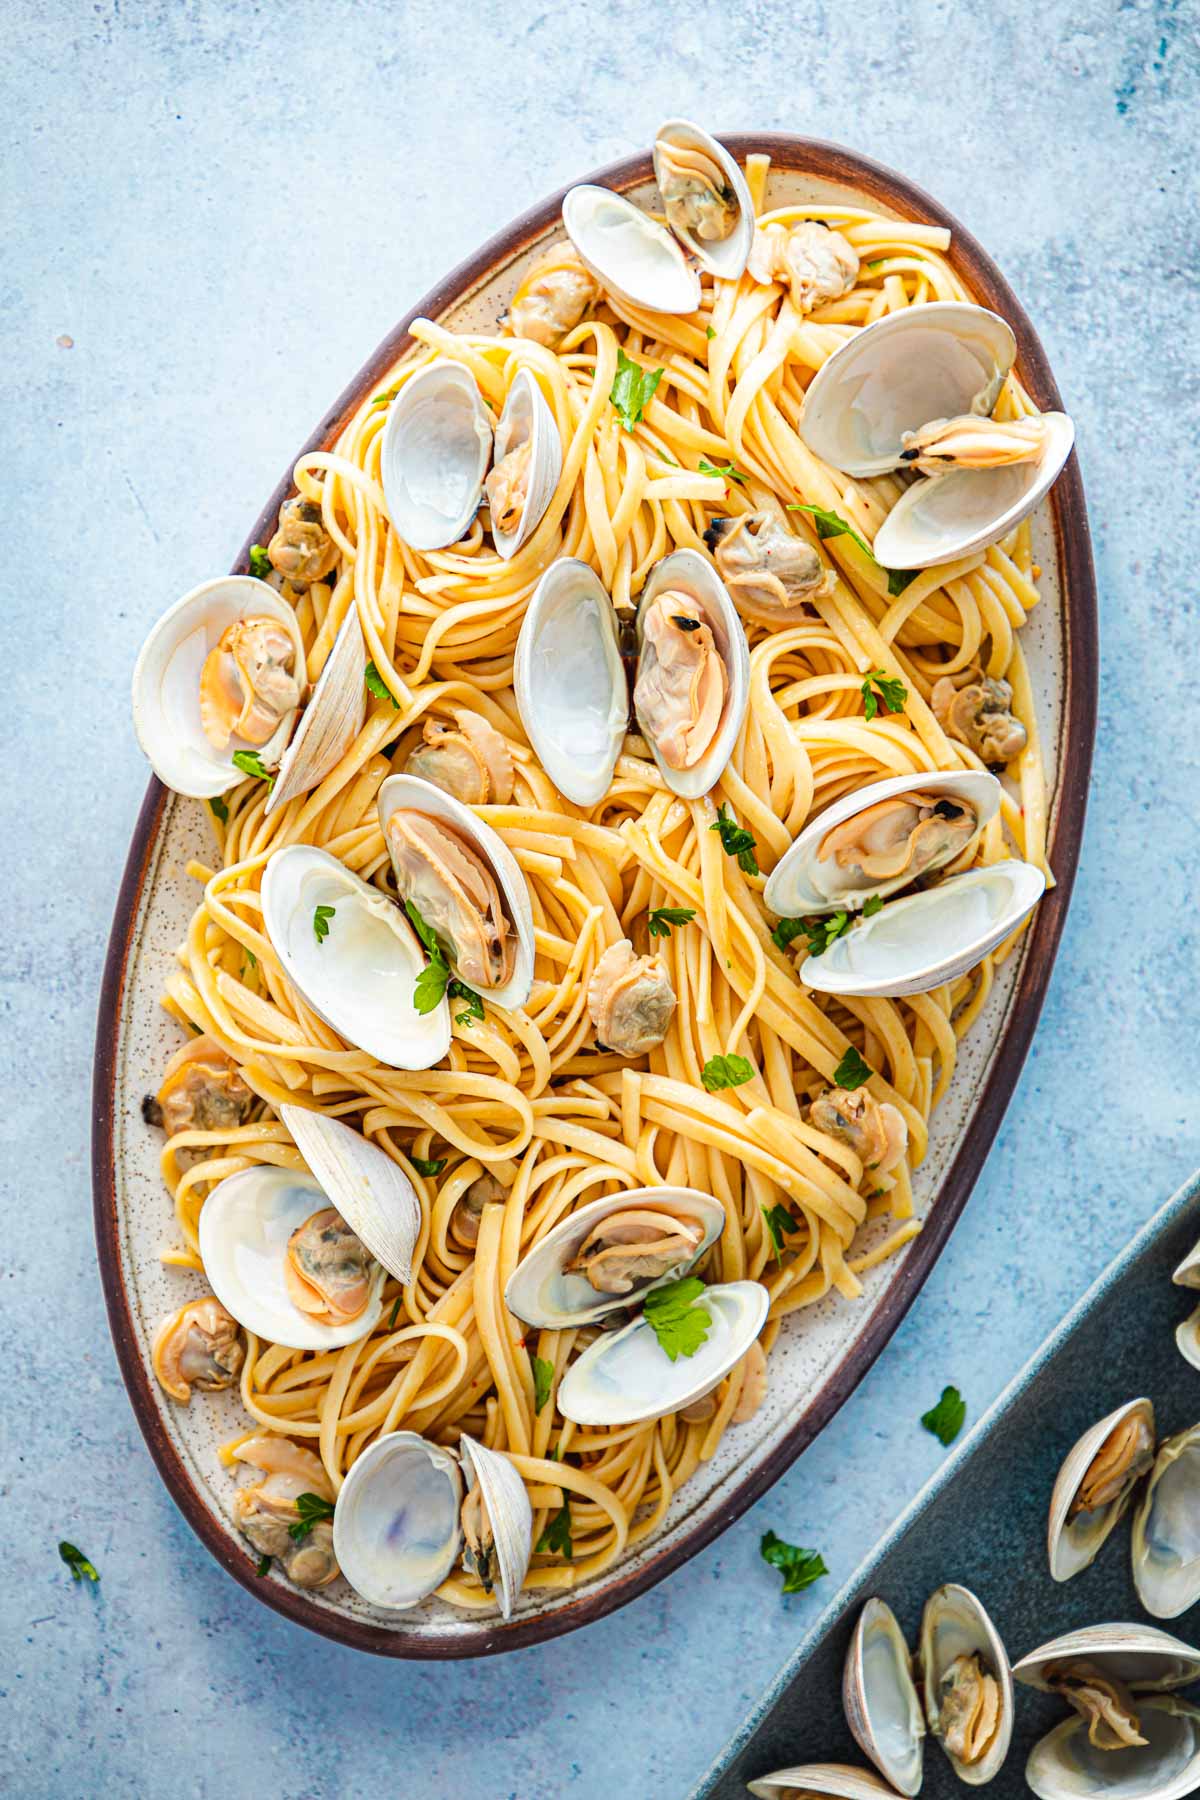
(226, 206)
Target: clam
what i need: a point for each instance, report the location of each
(353, 955)
(770, 573)
(570, 681)
(497, 1523)
(551, 297)
(469, 759)
(372, 1193)
(705, 197)
(626, 1376)
(485, 1190)
(1095, 1486)
(260, 1245)
(693, 676)
(436, 447)
(875, 1130)
(1066, 1763)
(331, 720)
(979, 714)
(201, 1090)
(266, 1508)
(630, 1000)
(1187, 1333)
(611, 1254)
(1143, 1658)
(222, 672)
(880, 1700)
(1166, 1529)
(528, 463)
(803, 1780)
(301, 550)
(967, 1683)
(197, 1347)
(628, 252)
(814, 262)
(465, 885)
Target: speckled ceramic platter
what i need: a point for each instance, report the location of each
(982, 1521)
(821, 1356)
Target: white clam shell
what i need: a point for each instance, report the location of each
(690, 573)
(908, 368)
(362, 976)
(509, 1512)
(1064, 1766)
(1188, 1272)
(332, 719)
(570, 682)
(1073, 1544)
(728, 257)
(166, 684)
(793, 888)
(539, 1292)
(836, 1779)
(245, 1224)
(628, 252)
(527, 414)
(627, 1377)
(1166, 1529)
(880, 1698)
(435, 451)
(1187, 1338)
(943, 517)
(955, 1623)
(414, 795)
(1141, 1656)
(372, 1194)
(396, 1531)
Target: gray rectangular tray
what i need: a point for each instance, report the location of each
(982, 1521)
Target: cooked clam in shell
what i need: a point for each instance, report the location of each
(630, 1001)
(468, 759)
(813, 261)
(1166, 1529)
(552, 297)
(197, 1347)
(980, 715)
(769, 571)
(1095, 1486)
(967, 1683)
(267, 1508)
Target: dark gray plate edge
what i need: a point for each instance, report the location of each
(1158, 1222)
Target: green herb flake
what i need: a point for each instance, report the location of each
(779, 1220)
(395, 1312)
(79, 1565)
(386, 397)
(321, 918)
(709, 332)
(899, 579)
(872, 905)
(311, 1508)
(251, 763)
(264, 1565)
(831, 525)
(543, 1381)
(727, 471)
(799, 1568)
(676, 1321)
(632, 389)
(736, 840)
(784, 932)
(431, 986)
(945, 1420)
(218, 809)
(661, 919)
(260, 562)
(473, 1005)
(824, 931)
(557, 1536)
(378, 686)
(726, 1072)
(883, 692)
(428, 1166)
(251, 959)
(852, 1072)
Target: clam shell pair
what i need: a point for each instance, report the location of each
(909, 368)
(1187, 1334)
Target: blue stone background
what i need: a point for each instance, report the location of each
(226, 206)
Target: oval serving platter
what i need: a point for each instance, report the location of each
(821, 1356)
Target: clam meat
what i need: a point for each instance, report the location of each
(267, 1509)
(197, 1347)
(507, 487)
(630, 1001)
(980, 715)
(763, 564)
(469, 759)
(249, 683)
(485, 1190)
(328, 1269)
(969, 442)
(301, 551)
(1095, 1485)
(1126, 1454)
(201, 1090)
(682, 681)
(552, 297)
(875, 1130)
(696, 195)
(450, 885)
(815, 263)
(968, 1707)
(898, 839)
(627, 1249)
(1102, 1700)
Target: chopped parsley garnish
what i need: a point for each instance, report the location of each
(728, 471)
(311, 1508)
(824, 931)
(831, 524)
(386, 397)
(395, 1312)
(432, 983)
(435, 979)
(736, 840)
(945, 1420)
(660, 919)
(260, 562)
(898, 579)
(264, 1565)
(725, 1072)
(218, 809)
(779, 1220)
(883, 693)
(428, 1166)
(251, 763)
(321, 918)
(543, 1381)
(785, 930)
(473, 1005)
(78, 1563)
(709, 332)
(799, 1568)
(378, 686)
(852, 1072)
(632, 389)
(676, 1321)
(871, 905)
(557, 1535)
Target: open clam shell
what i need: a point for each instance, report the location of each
(510, 1516)
(927, 362)
(541, 1292)
(879, 1698)
(245, 1224)
(373, 1195)
(435, 451)
(570, 681)
(527, 418)
(410, 793)
(361, 975)
(1187, 1338)
(331, 720)
(1073, 1544)
(1166, 1529)
(953, 1624)
(689, 573)
(629, 253)
(839, 1780)
(626, 1377)
(166, 685)
(1064, 1765)
(396, 1529)
(725, 257)
(1188, 1272)
(1144, 1658)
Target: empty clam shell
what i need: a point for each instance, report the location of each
(1187, 1337)
(527, 419)
(361, 974)
(879, 1698)
(1064, 1765)
(955, 1624)
(396, 1530)
(1073, 1543)
(629, 253)
(1166, 1529)
(722, 256)
(331, 720)
(435, 451)
(1188, 1272)
(689, 573)
(166, 684)
(373, 1195)
(1141, 1656)
(509, 1514)
(839, 1780)
(570, 682)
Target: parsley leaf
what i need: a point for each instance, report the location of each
(852, 1072)
(264, 1565)
(736, 840)
(785, 930)
(660, 919)
(880, 692)
(311, 1507)
(321, 918)
(831, 525)
(251, 763)
(425, 932)
(779, 1220)
(428, 1166)
(378, 686)
(825, 931)
(260, 562)
(679, 1325)
(945, 1420)
(871, 905)
(725, 1072)
(218, 809)
(632, 389)
(543, 1381)
(395, 1312)
(386, 396)
(432, 983)
(77, 1562)
(799, 1568)
(473, 1005)
(729, 472)
(898, 579)
(709, 332)
(557, 1535)
(252, 959)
